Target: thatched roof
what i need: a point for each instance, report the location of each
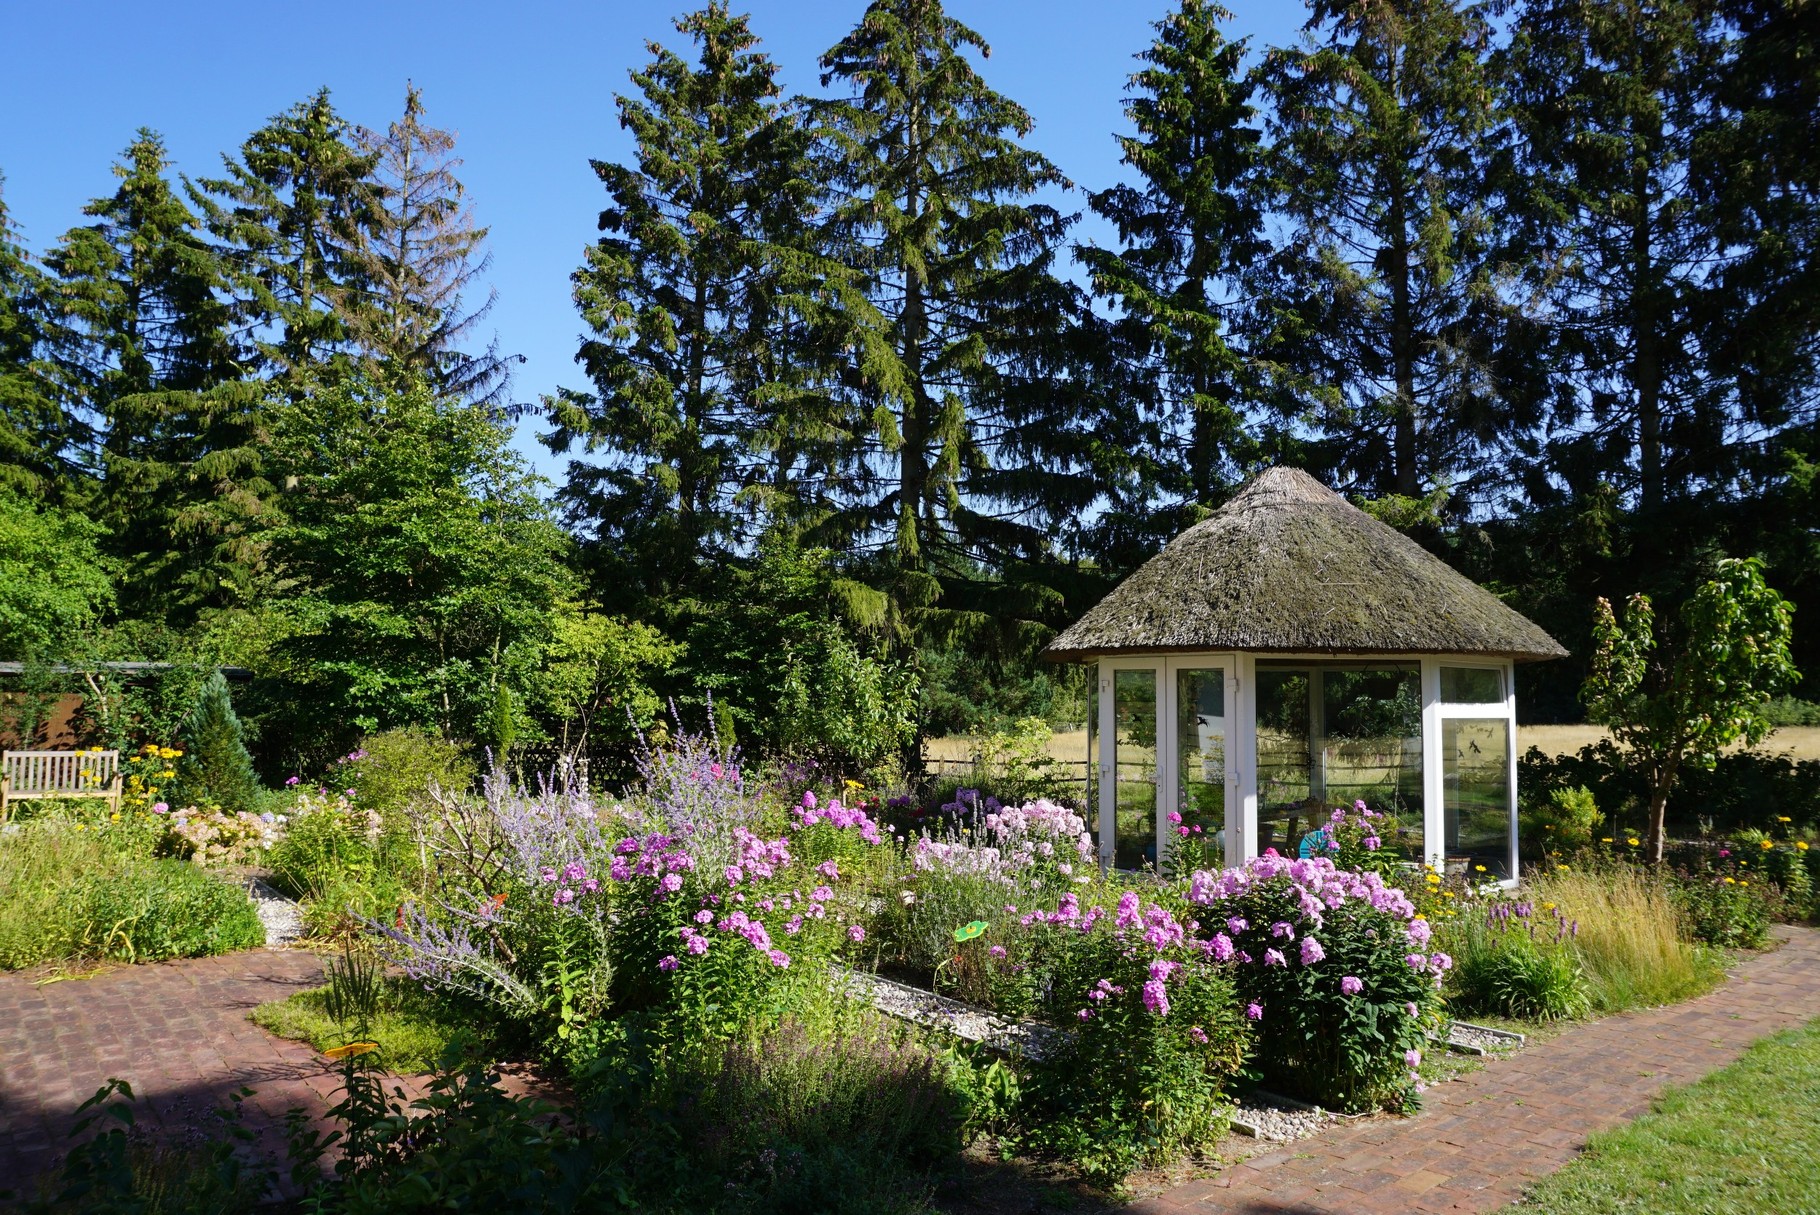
(1289, 566)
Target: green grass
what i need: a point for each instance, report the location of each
(413, 1027)
(1745, 1139)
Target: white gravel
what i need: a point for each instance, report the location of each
(1472, 1039)
(1279, 1119)
(282, 918)
(963, 1020)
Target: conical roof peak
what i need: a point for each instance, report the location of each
(1289, 566)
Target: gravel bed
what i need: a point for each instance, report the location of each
(1278, 1119)
(282, 918)
(1467, 1038)
(963, 1020)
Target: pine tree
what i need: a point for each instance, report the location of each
(1388, 306)
(1188, 232)
(216, 767)
(415, 256)
(288, 212)
(1613, 99)
(41, 441)
(699, 380)
(144, 296)
(970, 423)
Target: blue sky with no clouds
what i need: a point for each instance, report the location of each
(528, 87)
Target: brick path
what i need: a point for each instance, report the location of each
(1483, 1139)
(176, 1031)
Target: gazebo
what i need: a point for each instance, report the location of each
(1290, 654)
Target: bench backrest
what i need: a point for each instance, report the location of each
(59, 773)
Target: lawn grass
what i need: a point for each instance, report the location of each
(1745, 1139)
(412, 1027)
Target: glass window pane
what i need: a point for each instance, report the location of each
(1200, 747)
(1134, 769)
(1475, 779)
(1090, 809)
(1332, 734)
(1471, 686)
(1282, 759)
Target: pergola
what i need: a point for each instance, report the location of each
(1290, 654)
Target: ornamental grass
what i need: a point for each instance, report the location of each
(1629, 939)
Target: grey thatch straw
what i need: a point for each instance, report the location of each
(1289, 566)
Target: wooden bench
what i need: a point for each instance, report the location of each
(40, 774)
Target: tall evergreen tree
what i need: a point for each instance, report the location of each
(1188, 231)
(144, 295)
(1388, 305)
(970, 425)
(40, 440)
(1614, 98)
(687, 296)
(415, 256)
(288, 212)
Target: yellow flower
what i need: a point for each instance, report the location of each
(1548, 907)
(1562, 868)
(1801, 845)
(352, 1048)
(1447, 894)
(1606, 840)
(1731, 881)
(1433, 880)
(1479, 868)
(1743, 883)
(1783, 818)
(114, 817)
(1766, 845)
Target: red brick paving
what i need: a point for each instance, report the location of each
(1481, 1140)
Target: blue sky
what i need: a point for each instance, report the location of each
(528, 87)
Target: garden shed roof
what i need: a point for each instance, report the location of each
(1289, 566)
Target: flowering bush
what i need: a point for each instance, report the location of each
(215, 837)
(1157, 1033)
(1333, 966)
(1514, 958)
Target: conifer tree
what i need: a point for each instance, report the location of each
(40, 440)
(415, 257)
(1188, 231)
(144, 295)
(217, 770)
(1387, 302)
(688, 297)
(288, 212)
(1613, 100)
(969, 421)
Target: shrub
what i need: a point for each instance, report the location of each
(1156, 1034)
(1562, 821)
(391, 771)
(1629, 941)
(1335, 968)
(216, 769)
(1719, 910)
(1511, 962)
(327, 840)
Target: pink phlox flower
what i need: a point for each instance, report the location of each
(1156, 997)
(855, 933)
(1411, 1009)
(1128, 910)
(626, 847)
(1419, 932)
(1372, 843)
(779, 958)
(671, 883)
(1416, 961)
(1162, 968)
(668, 962)
(734, 874)
(1221, 947)
(808, 799)
(1283, 930)
(698, 945)
(793, 925)
(997, 951)
(1085, 1015)
(1338, 816)
(1274, 957)
(620, 870)
(1312, 951)
(548, 875)
(1236, 925)
(1175, 817)
(1254, 1011)
(704, 916)
(821, 894)
(1440, 962)
(591, 885)
(1413, 1058)
(1350, 985)
(829, 869)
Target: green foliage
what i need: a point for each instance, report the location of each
(397, 768)
(1684, 696)
(843, 709)
(1720, 910)
(216, 769)
(1730, 796)
(71, 891)
(38, 435)
(54, 586)
(1504, 969)
(1560, 820)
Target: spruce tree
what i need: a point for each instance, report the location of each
(1387, 303)
(152, 353)
(700, 376)
(1188, 231)
(970, 425)
(216, 767)
(415, 257)
(1613, 100)
(41, 441)
(287, 212)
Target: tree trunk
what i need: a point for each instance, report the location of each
(1662, 778)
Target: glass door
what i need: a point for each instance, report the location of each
(1132, 790)
(1199, 839)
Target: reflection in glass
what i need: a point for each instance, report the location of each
(1134, 769)
(1471, 686)
(1200, 747)
(1475, 782)
(1332, 734)
(1091, 805)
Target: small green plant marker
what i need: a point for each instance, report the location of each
(966, 932)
